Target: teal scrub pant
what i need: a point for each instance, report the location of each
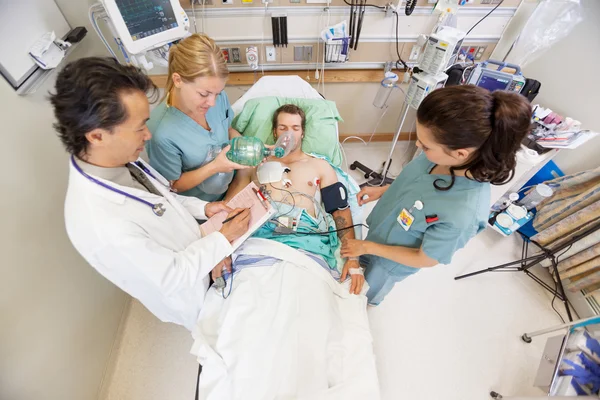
(382, 278)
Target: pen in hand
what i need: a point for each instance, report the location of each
(231, 218)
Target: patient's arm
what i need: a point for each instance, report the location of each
(343, 219)
(242, 178)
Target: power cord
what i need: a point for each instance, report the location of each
(292, 232)
(400, 60)
(487, 15)
(556, 285)
(369, 5)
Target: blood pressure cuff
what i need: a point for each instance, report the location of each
(335, 197)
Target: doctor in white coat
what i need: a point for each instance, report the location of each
(120, 213)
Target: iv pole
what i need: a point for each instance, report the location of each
(381, 179)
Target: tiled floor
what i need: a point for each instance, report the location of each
(434, 337)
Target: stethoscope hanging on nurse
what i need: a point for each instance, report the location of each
(158, 208)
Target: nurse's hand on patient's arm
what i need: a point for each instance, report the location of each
(236, 228)
(370, 193)
(211, 209)
(222, 164)
(353, 248)
(358, 280)
(223, 265)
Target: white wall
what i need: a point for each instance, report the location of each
(58, 317)
(570, 84)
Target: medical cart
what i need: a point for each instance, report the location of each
(552, 358)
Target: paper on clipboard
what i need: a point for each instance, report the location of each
(245, 199)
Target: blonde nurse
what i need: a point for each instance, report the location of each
(193, 123)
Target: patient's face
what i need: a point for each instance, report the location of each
(292, 123)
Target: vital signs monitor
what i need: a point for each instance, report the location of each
(143, 25)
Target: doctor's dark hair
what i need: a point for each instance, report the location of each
(494, 123)
(87, 97)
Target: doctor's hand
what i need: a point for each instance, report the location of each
(236, 228)
(353, 248)
(223, 265)
(358, 279)
(211, 209)
(373, 193)
(223, 164)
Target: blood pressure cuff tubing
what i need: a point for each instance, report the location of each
(335, 197)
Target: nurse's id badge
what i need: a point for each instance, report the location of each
(405, 219)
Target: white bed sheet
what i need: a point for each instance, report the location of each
(287, 331)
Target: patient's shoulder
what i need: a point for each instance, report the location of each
(325, 169)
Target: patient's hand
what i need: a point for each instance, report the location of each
(218, 270)
(358, 279)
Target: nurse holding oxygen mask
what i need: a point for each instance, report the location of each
(192, 126)
(441, 199)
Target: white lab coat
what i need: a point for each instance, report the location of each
(164, 262)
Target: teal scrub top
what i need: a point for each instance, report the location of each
(462, 212)
(179, 144)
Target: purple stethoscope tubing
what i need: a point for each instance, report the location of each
(158, 208)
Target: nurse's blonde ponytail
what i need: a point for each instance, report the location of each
(494, 123)
(194, 57)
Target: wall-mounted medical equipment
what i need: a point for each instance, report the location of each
(252, 57)
(141, 27)
(421, 85)
(492, 75)
(410, 6)
(280, 32)
(441, 50)
(48, 51)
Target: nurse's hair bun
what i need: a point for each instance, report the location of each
(194, 57)
(494, 123)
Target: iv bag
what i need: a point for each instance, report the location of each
(551, 21)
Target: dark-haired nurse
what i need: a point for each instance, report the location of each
(469, 137)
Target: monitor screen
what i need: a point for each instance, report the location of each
(147, 17)
(492, 83)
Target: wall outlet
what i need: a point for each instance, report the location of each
(271, 54)
(226, 55)
(234, 55)
(298, 53)
(308, 50)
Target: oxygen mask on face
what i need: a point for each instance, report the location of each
(285, 144)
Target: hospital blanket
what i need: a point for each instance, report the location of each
(286, 331)
(326, 245)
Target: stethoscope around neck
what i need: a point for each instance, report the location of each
(158, 208)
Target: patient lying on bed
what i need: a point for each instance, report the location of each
(298, 211)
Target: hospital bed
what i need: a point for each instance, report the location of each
(287, 329)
